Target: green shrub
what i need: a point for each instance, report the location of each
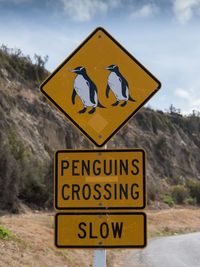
(179, 193)
(34, 188)
(21, 66)
(190, 201)
(16, 145)
(168, 200)
(5, 233)
(153, 192)
(9, 180)
(34, 191)
(194, 189)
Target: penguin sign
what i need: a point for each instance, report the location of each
(118, 84)
(86, 89)
(100, 86)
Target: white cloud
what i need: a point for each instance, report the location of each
(190, 98)
(145, 11)
(196, 103)
(185, 9)
(85, 10)
(182, 93)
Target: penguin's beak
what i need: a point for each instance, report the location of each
(107, 68)
(72, 70)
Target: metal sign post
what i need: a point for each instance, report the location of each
(100, 258)
(100, 255)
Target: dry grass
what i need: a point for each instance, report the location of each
(34, 245)
(173, 221)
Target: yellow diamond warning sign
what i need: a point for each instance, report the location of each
(100, 179)
(100, 86)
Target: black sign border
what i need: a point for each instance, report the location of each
(98, 151)
(68, 58)
(101, 246)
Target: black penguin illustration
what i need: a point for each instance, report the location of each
(85, 88)
(119, 86)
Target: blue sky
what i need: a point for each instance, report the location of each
(164, 35)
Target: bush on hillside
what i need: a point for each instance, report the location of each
(179, 194)
(9, 180)
(194, 189)
(190, 201)
(153, 191)
(33, 189)
(22, 67)
(168, 200)
(34, 192)
(21, 177)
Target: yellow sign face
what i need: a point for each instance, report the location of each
(100, 86)
(100, 179)
(100, 230)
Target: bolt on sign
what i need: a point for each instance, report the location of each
(100, 230)
(100, 179)
(100, 86)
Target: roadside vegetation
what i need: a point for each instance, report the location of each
(187, 193)
(22, 175)
(173, 159)
(5, 234)
(21, 66)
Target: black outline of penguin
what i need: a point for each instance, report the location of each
(124, 86)
(92, 91)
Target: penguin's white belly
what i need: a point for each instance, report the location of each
(83, 90)
(116, 86)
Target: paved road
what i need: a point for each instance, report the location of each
(173, 251)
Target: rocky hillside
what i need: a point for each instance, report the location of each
(32, 129)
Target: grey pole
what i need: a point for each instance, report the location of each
(100, 255)
(100, 258)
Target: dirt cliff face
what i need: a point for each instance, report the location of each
(32, 130)
(29, 116)
(172, 145)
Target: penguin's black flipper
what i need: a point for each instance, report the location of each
(124, 87)
(107, 90)
(131, 99)
(73, 96)
(92, 91)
